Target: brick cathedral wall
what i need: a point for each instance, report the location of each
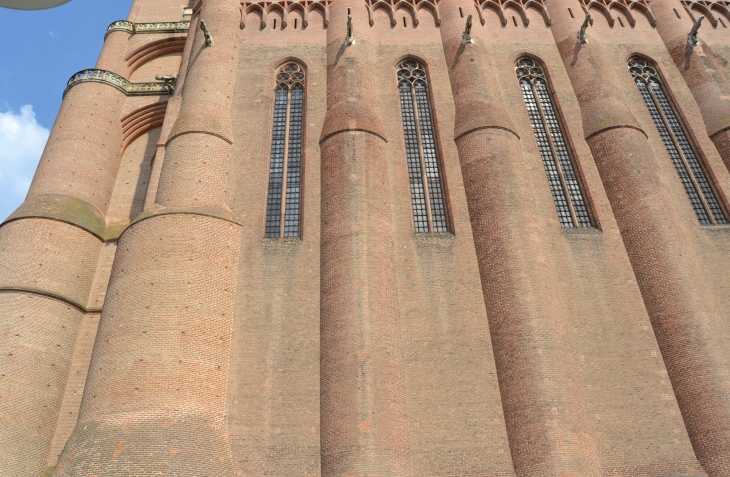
(82, 154)
(74, 390)
(37, 333)
(150, 11)
(450, 376)
(708, 243)
(579, 252)
(363, 408)
(442, 308)
(147, 355)
(130, 190)
(609, 328)
(273, 393)
(70, 252)
(52, 257)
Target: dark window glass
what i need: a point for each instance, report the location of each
(427, 196)
(686, 161)
(285, 172)
(564, 184)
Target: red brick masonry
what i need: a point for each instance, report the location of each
(148, 327)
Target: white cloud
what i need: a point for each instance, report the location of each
(22, 141)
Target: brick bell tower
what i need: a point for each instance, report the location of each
(378, 238)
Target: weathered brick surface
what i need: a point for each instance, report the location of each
(443, 321)
(78, 372)
(361, 348)
(155, 397)
(146, 11)
(364, 424)
(130, 190)
(36, 333)
(160, 65)
(677, 294)
(49, 256)
(700, 69)
(617, 355)
(541, 389)
(273, 400)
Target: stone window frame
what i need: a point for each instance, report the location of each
(679, 143)
(431, 213)
(567, 186)
(284, 202)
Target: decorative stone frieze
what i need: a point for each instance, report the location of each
(709, 8)
(498, 6)
(166, 86)
(413, 6)
(625, 6)
(159, 27)
(285, 7)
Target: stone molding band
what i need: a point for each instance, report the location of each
(71, 210)
(159, 27)
(82, 214)
(719, 131)
(52, 295)
(617, 126)
(167, 86)
(222, 212)
(344, 130)
(480, 128)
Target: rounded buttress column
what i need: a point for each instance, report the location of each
(49, 249)
(545, 411)
(155, 398)
(364, 427)
(687, 322)
(700, 70)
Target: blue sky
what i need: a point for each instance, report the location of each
(39, 51)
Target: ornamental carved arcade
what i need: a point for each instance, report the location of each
(285, 8)
(627, 7)
(717, 12)
(520, 6)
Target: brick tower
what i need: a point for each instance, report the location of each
(379, 238)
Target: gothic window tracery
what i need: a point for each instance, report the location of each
(681, 151)
(284, 199)
(427, 195)
(562, 178)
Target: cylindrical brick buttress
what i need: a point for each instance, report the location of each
(155, 397)
(49, 250)
(364, 428)
(687, 321)
(700, 70)
(545, 411)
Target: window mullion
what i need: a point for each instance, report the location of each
(556, 160)
(422, 156)
(678, 146)
(286, 164)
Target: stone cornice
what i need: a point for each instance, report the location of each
(166, 86)
(159, 27)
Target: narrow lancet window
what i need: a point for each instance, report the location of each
(427, 195)
(284, 202)
(683, 154)
(564, 184)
